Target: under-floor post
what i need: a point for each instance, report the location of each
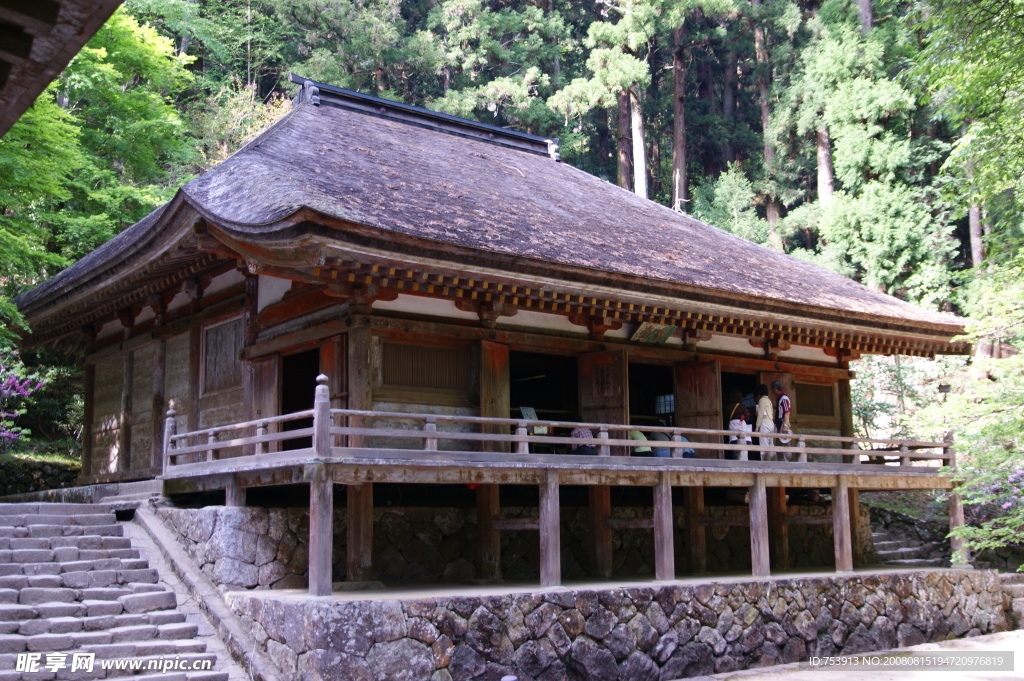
(760, 558)
(234, 494)
(598, 511)
(664, 545)
(841, 525)
(961, 554)
(858, 553)
(359, 509)
(778, 530)
(550, 535)
(488, 507)
(696, 544)
(321, 531)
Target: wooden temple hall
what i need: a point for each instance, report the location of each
(372, 296)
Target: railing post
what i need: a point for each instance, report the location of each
(211, 439)
(430, 426)
(321, 418)
(170, 429)
(604, 450)
(261, 430)
(522, 447)
(802, 456)
(854, 458)
(677, 452)
(904, 459)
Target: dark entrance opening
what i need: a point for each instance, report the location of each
(547, 383)
(298, 383)
(651, 395)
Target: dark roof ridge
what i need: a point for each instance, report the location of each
(320, 94)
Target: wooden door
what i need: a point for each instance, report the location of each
(766, 377)
(698, 396)
(604, 390)
(495, 397)
(265, 392)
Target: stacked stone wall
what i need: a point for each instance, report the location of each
(640, 633)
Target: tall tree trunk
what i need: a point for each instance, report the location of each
(680, 194)
(625, 159)
(773, 210)
(706, 89)
(826, 175)
(604, 138)
(867, 18)
(974, 223)
(639, 150)
(729, 105)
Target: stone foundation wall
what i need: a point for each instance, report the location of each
(258, 547)
(23, 476)
(642, 633)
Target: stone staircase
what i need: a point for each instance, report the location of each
(1013, 587)
(131, 495)
(904, 552)
(71, 582)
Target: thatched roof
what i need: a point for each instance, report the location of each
(371, 176)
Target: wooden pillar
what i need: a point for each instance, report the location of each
(495, 402)
(359, 503)
(845, 408)
(250, 309)
(332, 365)
(359, 509)
(89, 388)
(841, 525)
(760, 559)
(664, 546)
(696, 544)
(124, 433)
(321, 530)
(778, 530)
(550, 532)
(158, 405)
(599, 510)
(488, 507)
(234, 494)
(855, 527)
(961, 553)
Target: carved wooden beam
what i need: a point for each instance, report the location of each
(360, 297)
(488, 310)
(597, 325)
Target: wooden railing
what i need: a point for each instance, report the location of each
(339, 432)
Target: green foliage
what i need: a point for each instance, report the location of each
(728, 203)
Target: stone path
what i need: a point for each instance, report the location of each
(1006, 641)
(71, 581)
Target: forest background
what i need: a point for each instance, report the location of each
(881, 139)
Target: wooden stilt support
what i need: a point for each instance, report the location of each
(961, 554)
(599, 511)
(696, 544)
(488, 508)
(550, 535)
(778, 530)
(157, 402)
(841, 525)
(359, 508)
(760, 559)
(664, 546)
(234, 494)
(321, 530)
(855, 527)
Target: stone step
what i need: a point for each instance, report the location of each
(1011, 577)
(37, 508)
(888, 545)
(917, 562)
(921, 551)
(96, 631)
(1015, 590)
(173, 620)
(1017, 612)
(106, 530)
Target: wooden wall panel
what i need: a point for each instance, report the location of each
(106, 415)
(142, 407)
(178, 373)
(698, 391)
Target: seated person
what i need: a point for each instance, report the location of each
(639, 450)
(584, 449)
(658, 436)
